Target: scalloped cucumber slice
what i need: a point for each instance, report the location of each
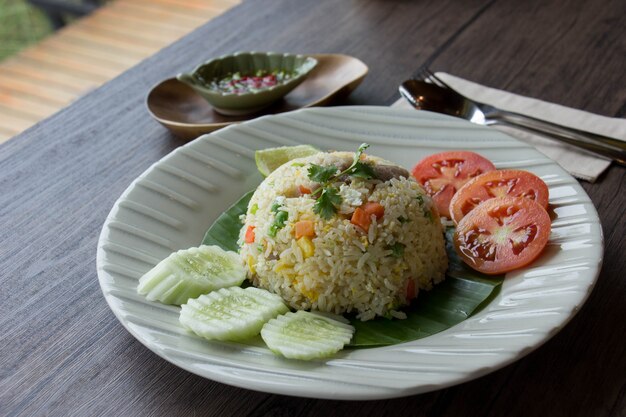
(191, 272)
(304, 335)
(231, 314)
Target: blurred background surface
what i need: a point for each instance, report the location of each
(21, 25)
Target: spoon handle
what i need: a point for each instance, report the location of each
(613, 149)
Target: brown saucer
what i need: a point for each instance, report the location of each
(180, 109)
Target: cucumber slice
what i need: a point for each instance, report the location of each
(191, 272)
(231, 314)
(304, 335)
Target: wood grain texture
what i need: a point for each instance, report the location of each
(42, 72)
(63, 353)
(568, 52)
(139, 22)
(89, 52)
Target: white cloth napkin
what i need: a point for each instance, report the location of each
(578, 163)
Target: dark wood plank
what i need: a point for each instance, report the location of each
(64, 353)
(567, 52)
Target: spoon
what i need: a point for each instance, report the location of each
(427, 96)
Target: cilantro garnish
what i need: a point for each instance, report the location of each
(356, 160)
(358, 168)
(362, 170)
(321, 174)
(358, 153)
(328, 196)
(327, 202)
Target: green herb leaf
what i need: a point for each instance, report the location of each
(359, 152)
(362, 170)
(329, 197)
(279, 222)
(355, 160)
(320, 173)
(326, 203)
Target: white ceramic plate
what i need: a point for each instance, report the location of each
(171, 205)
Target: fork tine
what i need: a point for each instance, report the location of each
(436, 80)
(424, 75)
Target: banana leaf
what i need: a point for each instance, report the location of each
(224, 232)
(463, 293)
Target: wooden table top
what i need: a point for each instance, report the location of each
(63, 353)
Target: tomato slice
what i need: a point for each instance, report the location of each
(444, 173)
(502, 234)
(498, 184)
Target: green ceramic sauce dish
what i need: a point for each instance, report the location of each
(246, 82)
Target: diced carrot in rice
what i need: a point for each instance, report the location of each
(304, 190)
(361, 219)
(372, 207)
(304, 228)
(249, 238)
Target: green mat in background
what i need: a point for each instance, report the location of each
(21, 25)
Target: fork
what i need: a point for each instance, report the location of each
(451, 102)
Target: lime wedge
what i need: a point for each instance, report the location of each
(267, 160)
